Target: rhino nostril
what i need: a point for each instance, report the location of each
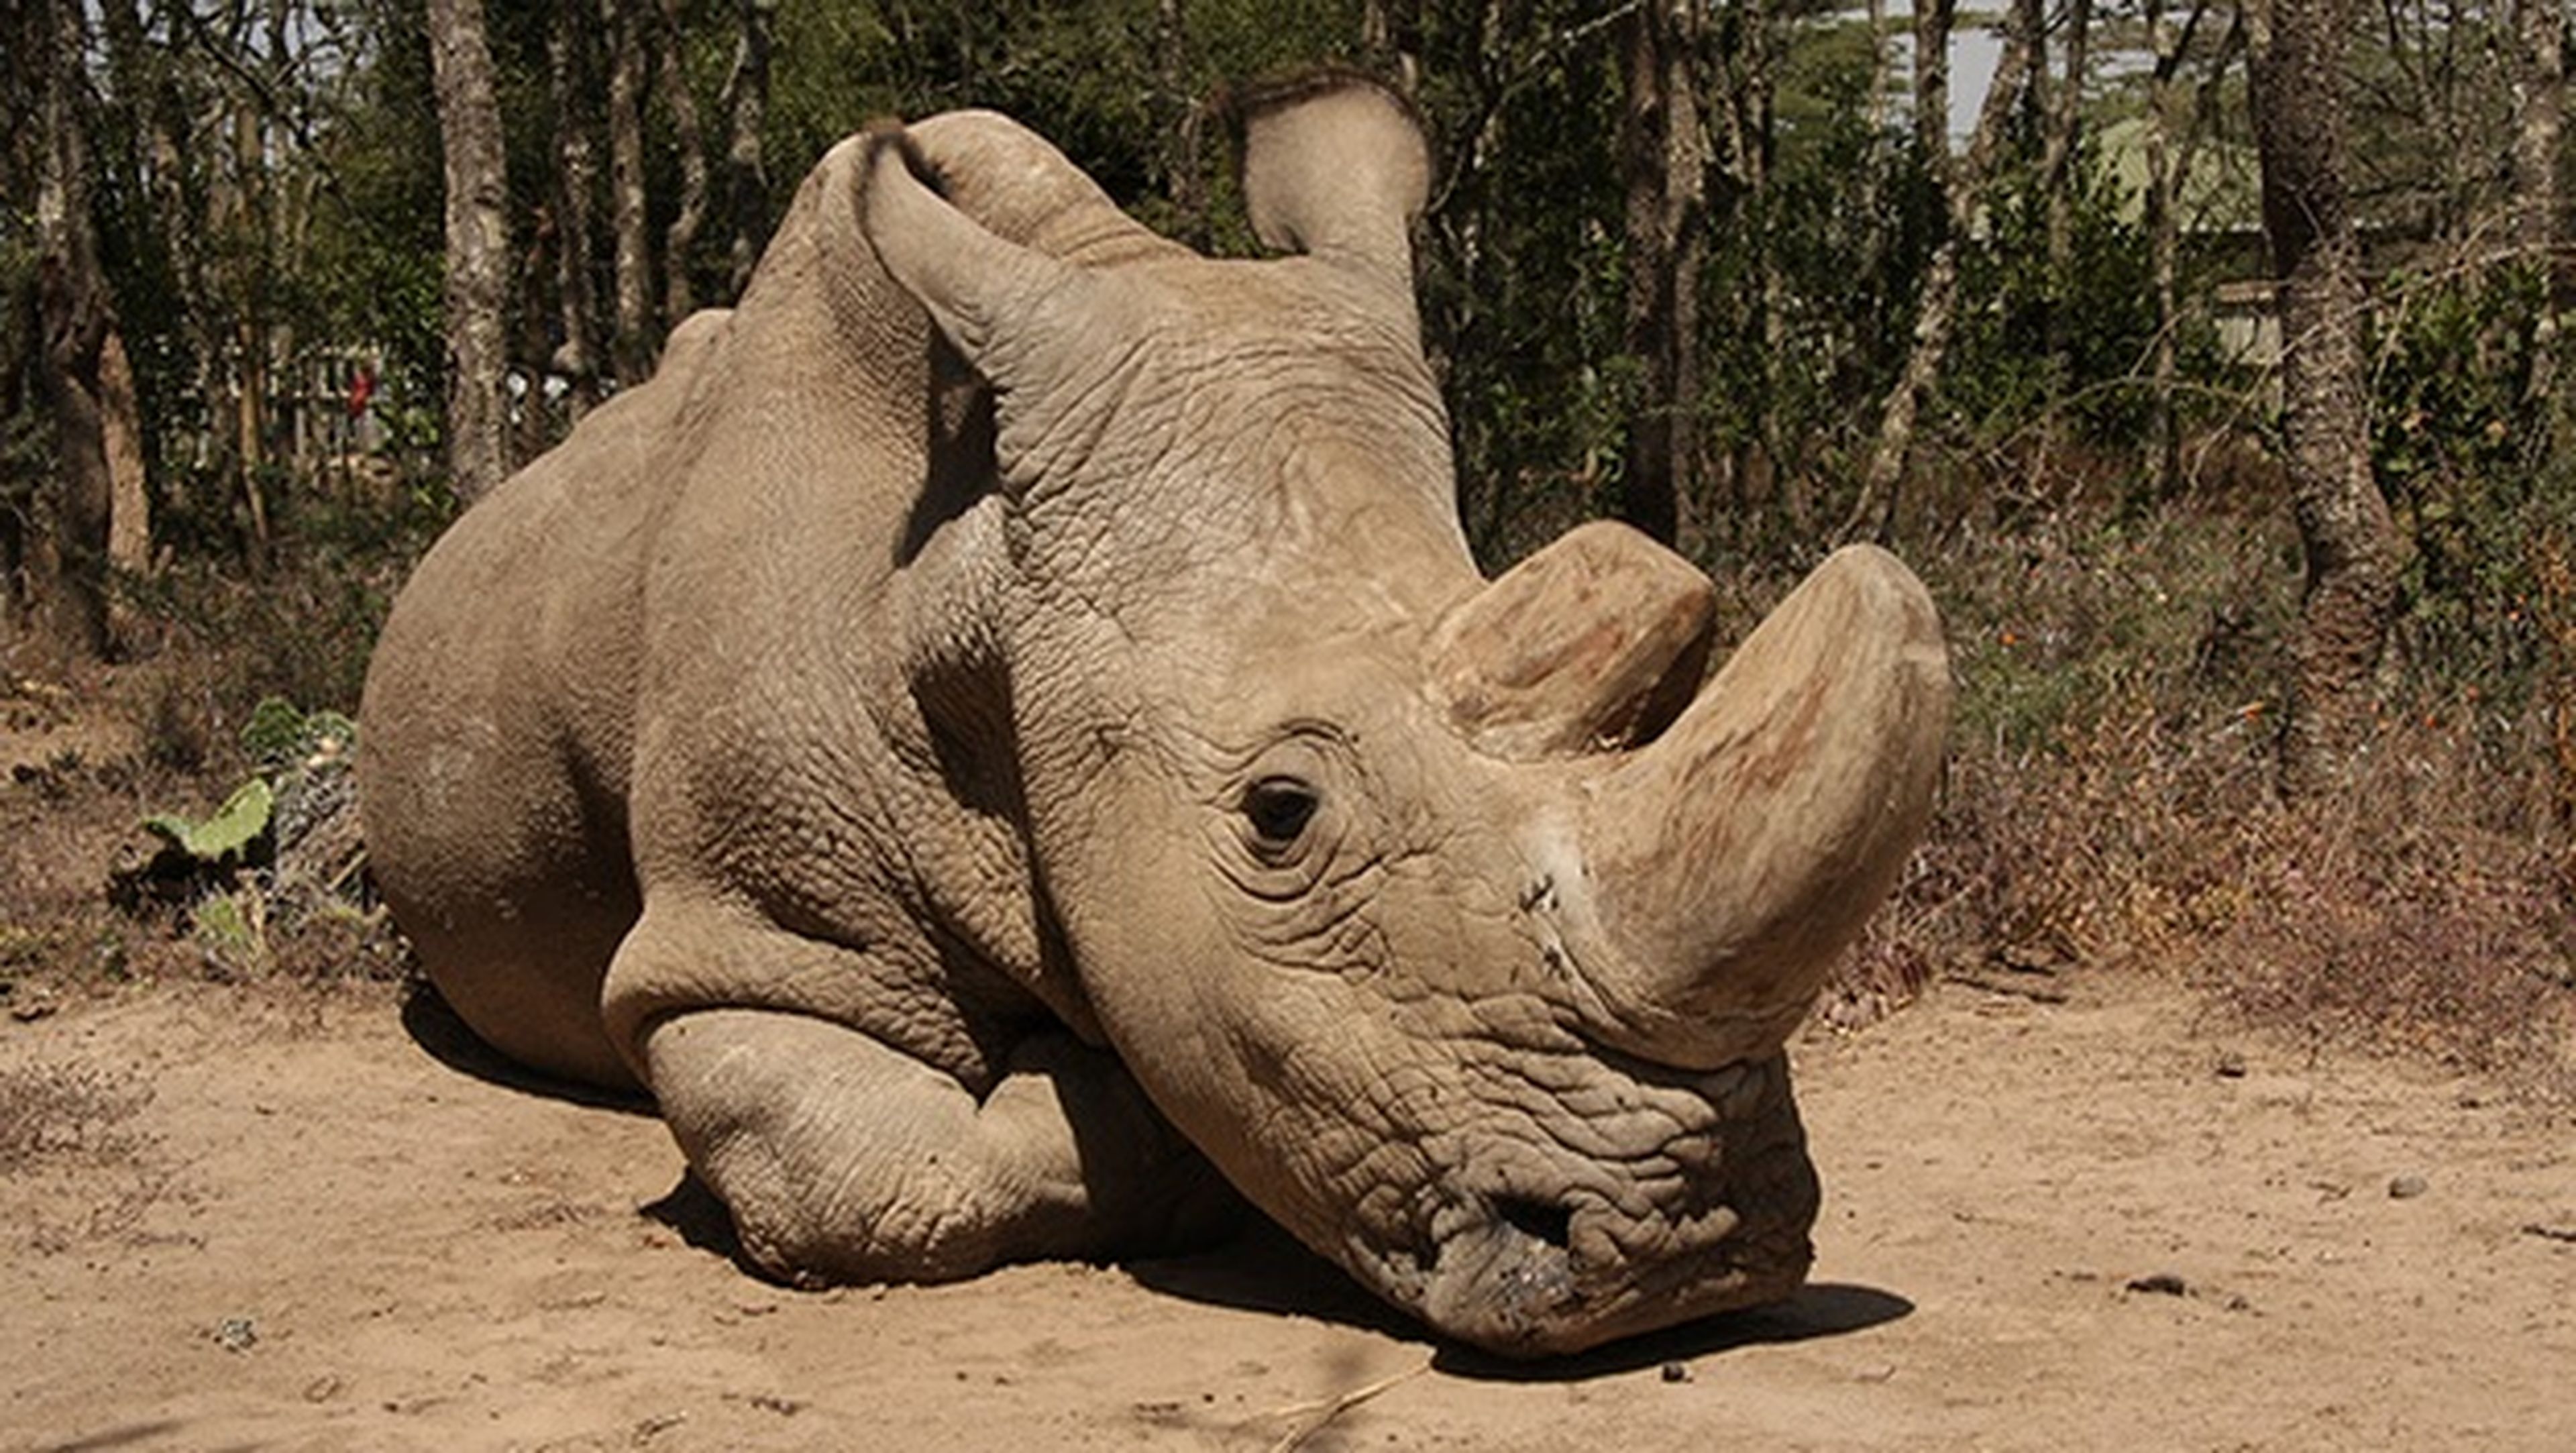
(1536, 1219)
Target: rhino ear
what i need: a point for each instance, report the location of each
(1334, 165)
(973, 283)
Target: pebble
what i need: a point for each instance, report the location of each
(2162, 1283)
(1676, 1372)
(2407, 1187)
(2231, 1065)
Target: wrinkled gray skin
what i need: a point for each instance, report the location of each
(1006, 721)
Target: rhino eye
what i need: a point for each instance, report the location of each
(1279, 809)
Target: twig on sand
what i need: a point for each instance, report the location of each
(1308, 1419)
(2551, 1233)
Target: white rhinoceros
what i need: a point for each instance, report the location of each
(1004, 739)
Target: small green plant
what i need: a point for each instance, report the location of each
(228, 834)
(282, 849)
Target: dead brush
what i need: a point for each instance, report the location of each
(2421, 910)
(53, 1114)
(2111, 800)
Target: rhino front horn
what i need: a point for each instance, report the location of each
(1730, 859)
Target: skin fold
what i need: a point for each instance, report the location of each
(1004, 739)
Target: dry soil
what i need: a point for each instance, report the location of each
(246, 1218)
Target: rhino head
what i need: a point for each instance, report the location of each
(1461, 923)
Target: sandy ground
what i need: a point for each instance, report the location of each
(306, 1222)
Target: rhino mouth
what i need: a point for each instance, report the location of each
(1531, 1255)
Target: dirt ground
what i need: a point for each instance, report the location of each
(263, 1218)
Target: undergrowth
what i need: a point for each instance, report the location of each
(2111, 796)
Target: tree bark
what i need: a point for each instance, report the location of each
(2295, 60)
(1664, 160)
(632, 345)
(1391, 37)
(746, 104)
(2540, 115)
(1937, 315)
(76, 325)
(478, 239)
(569, 76)
(1747, 67)
(2065, 117)
(679, 297)
(1177, 118)
(1932, 21)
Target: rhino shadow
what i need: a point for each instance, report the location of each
(447, 1039)
(1264, 1269)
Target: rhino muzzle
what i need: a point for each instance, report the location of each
(1529, 1260)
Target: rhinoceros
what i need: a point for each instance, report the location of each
(1004, 739)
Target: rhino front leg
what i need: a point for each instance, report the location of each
(844, 1160)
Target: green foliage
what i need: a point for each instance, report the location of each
(2465, 447)
(229, 833)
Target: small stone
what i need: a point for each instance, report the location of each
(1676, 1372)
(236, 1334)
(2231, 1064)
(2407, 1187)
(2161, 1283)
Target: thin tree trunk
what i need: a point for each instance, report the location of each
(76, 323)
(1932, 21)
(576, 357)
(2540, 114)
(1745, 66)
(1177, 120)
(250, 340)
(1664, 158)
(746, 104)
(1937, 316)
(679, 298)
(2164, 245)
(1391, 36)
(478, 240)
(129, 513)
(2056, 168)
(2295, 57)
(631, 346)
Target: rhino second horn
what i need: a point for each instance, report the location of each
(1594, 643)
(1731, 860)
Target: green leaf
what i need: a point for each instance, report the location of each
(273, 732)
(234, 826)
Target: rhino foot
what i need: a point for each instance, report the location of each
(843, 1160)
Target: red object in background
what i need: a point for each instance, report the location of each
(361, 389)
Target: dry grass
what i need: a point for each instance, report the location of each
(2111, 801)
(56, 1114)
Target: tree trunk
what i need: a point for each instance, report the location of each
(1745, 67)
(1177, 118)
(2065, 118)
(1937, 315)
(569, 75)
(478, 240)
(679, 298)
(75, 322)
(1391, 37)
(2540, 113)
(2295, 58)
(746, 103)
(129, 511)
(1664, 157)
(2164, 246)
(1932, 20)
(631, 347)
